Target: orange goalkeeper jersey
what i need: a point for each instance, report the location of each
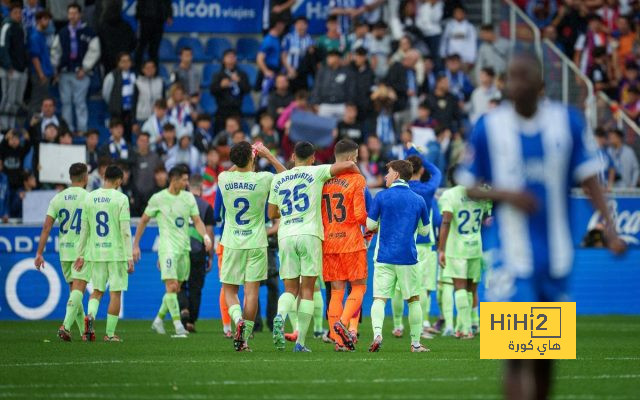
(343, 213)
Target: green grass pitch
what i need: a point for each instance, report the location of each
(34, 364)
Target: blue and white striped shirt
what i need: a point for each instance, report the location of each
(296, 47)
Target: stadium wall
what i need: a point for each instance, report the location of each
(29, 294)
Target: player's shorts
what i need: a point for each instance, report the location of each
(174, 266)
(428, 264)
(67, 267)
(463, 268)
(243, 265)
(113, 273)
(344, 266)
(300, 256)
(83, 275)
(387, 277)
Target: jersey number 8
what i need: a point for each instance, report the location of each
(102, 220)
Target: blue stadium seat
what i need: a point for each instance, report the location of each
(196, 47)
(208, 72)
(247, 49)
(167, 53)
(248, 108)
(216, 47)
(163, 72)
(208, 102)
(251, 71)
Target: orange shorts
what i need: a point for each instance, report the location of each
(344, 266)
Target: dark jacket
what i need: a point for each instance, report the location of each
(114, 105)
(197, 242)
(277, 101)
(13, 160)
(116, 36)
(13, 46)
(228, 103)
(154, 10)
(363, 81)
(445, 110)
(397, 79)
(333, 86)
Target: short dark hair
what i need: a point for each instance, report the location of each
(487, 27)
(43, 14)
(203, 117)
(122, 54)
(416, 163)
(144, 133)
(301, 18)
(113, 173)
(345, 146)
(451, 174)
(92, 132)
(15, 4)
(489, 71)
(168, 127)
(161, 103)
(177, 172)
(380, 25)
(304, 150)
(76, 6)
(228, 51)
(185, 48)
(104, 161)
(77, 171)
(115, 122)
(240, 154)
(600, 132)
(617, 132)
(402, 167)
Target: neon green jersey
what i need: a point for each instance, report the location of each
(464, 240)
(104, 210)
(298, 194)
(244, 195)
(173, 213)
(66, 207)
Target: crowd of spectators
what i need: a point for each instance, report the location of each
(389, 72)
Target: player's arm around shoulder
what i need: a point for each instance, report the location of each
(374, 213)
(342, 167)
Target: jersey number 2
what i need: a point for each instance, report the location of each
(243, 205)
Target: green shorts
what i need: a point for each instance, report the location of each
(67, 268)
(174, 266)
(463, 268)
(243, 265)
(83, 275)
(387, 277)
(428, 264)
(112, 272)
(300, 256)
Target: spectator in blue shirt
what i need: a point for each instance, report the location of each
(269, 61)
(396, 258)
(459, 83)
(294, 49)
(41, 70)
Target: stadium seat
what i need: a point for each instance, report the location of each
(208, 72)
(167, 52)
(248, 107)
(196, 47)
(247, 49)
(216, 47)
(251, 71)
(208, 102)
(163, 72)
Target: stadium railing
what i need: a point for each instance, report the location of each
(564, 80)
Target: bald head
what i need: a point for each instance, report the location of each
(411, 57)
(524, 83)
